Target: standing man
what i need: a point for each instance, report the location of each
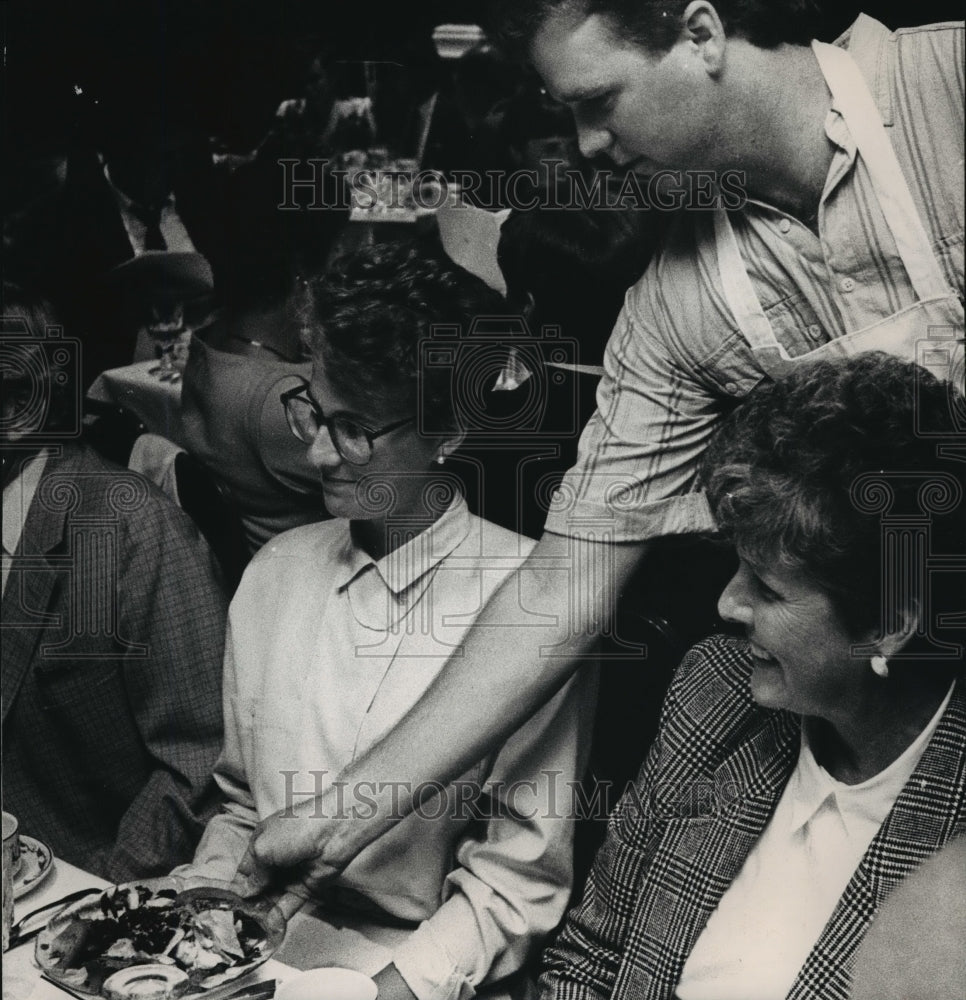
(851, 239)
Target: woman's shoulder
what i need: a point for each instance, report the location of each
(492, 540)
(711, 684)
(311, 546)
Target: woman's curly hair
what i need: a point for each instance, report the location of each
(371, 312)
(783, 474)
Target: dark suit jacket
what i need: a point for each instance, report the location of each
(703, 799)
(113, 627)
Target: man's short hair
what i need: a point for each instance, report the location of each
(656, 24)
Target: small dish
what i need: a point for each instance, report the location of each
(36, 863)
(147, 982)
(331, 983)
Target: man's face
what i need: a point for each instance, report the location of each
(652, 110)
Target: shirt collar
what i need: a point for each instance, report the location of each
(863, 40)
(18, 495)
(867, 802)
(405, 565)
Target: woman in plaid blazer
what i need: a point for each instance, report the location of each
(802, 772)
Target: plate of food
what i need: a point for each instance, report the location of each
(161, 939)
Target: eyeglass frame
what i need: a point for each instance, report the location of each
(371, 434)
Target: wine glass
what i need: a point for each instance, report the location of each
(165, 326)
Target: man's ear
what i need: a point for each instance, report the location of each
(701, 26)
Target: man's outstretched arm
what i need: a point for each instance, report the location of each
(528, 640)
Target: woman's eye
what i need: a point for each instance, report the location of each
(765, 591)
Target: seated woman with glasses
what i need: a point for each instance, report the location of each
(339, 627)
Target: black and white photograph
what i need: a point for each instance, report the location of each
(484, 500)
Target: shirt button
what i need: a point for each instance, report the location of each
(814, 330)
(732, 387)
(785, 226)
(848, 285)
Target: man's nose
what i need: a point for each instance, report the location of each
(733, 604)
(592, 139)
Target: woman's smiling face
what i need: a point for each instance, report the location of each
(802, 654)
(396, 472)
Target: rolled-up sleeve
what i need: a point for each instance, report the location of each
(512, 883)
(637, 462)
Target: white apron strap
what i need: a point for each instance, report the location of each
(743, 301)
(854, 100)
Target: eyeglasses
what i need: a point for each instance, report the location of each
(352, 440)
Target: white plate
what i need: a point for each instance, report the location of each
(36, 863)
(330, 983)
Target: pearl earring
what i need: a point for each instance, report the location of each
(440, 459)
(880, 665)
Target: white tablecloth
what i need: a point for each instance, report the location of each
(157, 404)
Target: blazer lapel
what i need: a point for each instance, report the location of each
(929, 812)
(701, 854)
(28, 602)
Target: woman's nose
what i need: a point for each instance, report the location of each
(733, 604)
(322, 452)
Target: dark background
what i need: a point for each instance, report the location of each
(228, 63)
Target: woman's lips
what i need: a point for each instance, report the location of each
(760, 654)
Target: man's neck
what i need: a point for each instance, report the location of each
(776, 130)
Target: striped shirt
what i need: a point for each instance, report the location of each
(676, 362)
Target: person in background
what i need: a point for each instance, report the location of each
(338, 628)
(845, 234)
(113, 621)
(803, 771)
(466, 133)
(240, 364)
(539, 134)
(139, 187)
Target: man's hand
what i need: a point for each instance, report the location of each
(290, 849)
(392, 986)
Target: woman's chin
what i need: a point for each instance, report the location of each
(767, 687)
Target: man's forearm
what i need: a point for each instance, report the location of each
(507, 671)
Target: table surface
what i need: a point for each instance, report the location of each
(21, 977)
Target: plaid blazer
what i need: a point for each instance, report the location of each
(677, 840)
(113, 625)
